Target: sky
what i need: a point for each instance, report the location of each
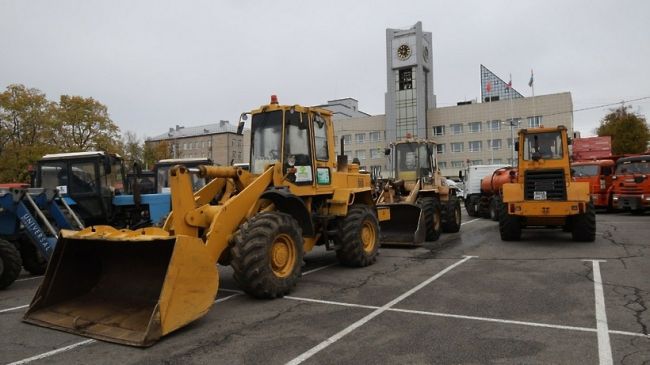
(157, 64)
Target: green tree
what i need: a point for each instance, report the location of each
(83, 124)
(629, 131)
(25, 130)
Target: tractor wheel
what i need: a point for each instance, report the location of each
(509, 225)
(432, 217)
(584, 225)
(267, 255)
(471, 206)
(10, 263)
(494, 208)
(33, 259)
(451, 217)
(358, 242)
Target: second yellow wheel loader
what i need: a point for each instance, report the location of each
(421, 203)
(133, 287)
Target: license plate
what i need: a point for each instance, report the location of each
(539, 195)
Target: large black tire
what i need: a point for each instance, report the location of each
(267, 255)
(33, 259)
(471, 206)
(358, 240)
(494, 208)
(10, 264)
(583, 227)
(432, 217)
(451, 216)
(509, 225)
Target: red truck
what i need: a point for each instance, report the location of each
(599, 175)
(631, 187)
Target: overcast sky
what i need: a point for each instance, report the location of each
(156, 64)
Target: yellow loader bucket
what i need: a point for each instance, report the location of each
(405, 227)
(129, 287)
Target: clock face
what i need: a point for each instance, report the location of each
(403, 52)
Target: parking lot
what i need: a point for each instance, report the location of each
(468, 298)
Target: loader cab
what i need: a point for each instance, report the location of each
(297, 140)
(413, 160)
(88, 179)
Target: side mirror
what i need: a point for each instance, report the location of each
(607, 171)
(386, 151)
(569, 141)
(460, 174)
(517, 146)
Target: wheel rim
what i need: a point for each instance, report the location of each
(283, 255)
(368, 236)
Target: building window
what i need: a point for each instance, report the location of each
(347, 139)
(184, 146)
(374, 136)
(516, 122)
(457, 163)
(475, 127)
(456, 128)
(442, 165)
(359, 137)
(475, 146)
(360, 154)
(534, 122)
(439, 130)
(494, 144)
(440, 149)
(476, 162)
(494, 125)
(375, 153)
(405, 79)
(457, 147)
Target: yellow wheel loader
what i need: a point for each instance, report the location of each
(543, 192)
(421, 203)
(132, 287)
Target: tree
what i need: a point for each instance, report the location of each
(155, 151)
(25, 130)
(132, 149)
(629, 131)
(83, 124)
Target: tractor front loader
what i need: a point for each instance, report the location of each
(421, 204)
(132, 287)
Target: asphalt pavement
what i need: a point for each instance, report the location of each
(468, 298)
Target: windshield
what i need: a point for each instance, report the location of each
(82, 178)
(52, 175)
(633, 167)
(412, 160)
(266, 138)
(585, 170)
(546, 146)
(162, 178)
(114, 180)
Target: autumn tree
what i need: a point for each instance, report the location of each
(629, 131)
(25, 130)
(155, 151)
(132, 148)
(83, 124)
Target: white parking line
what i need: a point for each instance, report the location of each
(468, 222)
(604, 346)
(473, 318)
(14, 308)
(53, 352)
(316, 349)
(30, 278)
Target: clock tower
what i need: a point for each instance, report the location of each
(409, 73)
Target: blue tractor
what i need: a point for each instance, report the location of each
(30, 220)
(95, 185)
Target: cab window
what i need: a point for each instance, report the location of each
(546, 146)
(320, 138)
(296, 148)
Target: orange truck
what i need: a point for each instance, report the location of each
(599, 174)
(631, 187)
(491, 189)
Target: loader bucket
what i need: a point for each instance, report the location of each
(405, 227)
(129, 287)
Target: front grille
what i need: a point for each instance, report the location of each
(631, 189)
(550, 181)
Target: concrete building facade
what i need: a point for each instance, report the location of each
(217, 141)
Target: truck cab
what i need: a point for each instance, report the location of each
(631, 184)
(598, 173)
